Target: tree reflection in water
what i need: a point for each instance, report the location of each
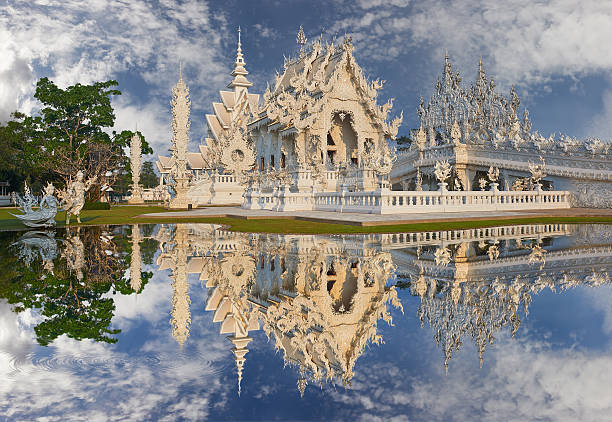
(67, 281)
(318, 299)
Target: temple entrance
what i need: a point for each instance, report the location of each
(342, 287)
(341, 140)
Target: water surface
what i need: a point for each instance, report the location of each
(191, 322)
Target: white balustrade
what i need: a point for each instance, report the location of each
(384, 201)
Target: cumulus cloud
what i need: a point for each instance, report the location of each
(521, 41)
(523, 380)
(86, 41)
(146, 378)
(152, 118)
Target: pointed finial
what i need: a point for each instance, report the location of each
(301, 40)
(180, 70)
(239, 73)
(239, 58)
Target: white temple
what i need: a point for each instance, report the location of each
(476, 128)
(320, 141)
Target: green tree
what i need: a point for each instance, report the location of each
(148, 177)
(72, 132)
(18, 156)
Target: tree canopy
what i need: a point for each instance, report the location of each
(72, 131)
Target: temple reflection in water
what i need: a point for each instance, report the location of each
(476, 282)
(319, 298)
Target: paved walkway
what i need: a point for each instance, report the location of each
(358, 219)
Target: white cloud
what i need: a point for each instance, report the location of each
(86, 41)
(368, 4)
(85, 380)
(522, 42)
(152, 119)
(523, 380)
(601, 124)
(265, 31)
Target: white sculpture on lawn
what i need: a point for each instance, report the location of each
(44, 216)
(135, 162)
(73, 197)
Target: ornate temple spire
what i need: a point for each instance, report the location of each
(136, 163)
(240, 82)
(481, 81)
(301, 40)
(181, 108)
(239, 350)
(448, 79)
(181, 316)
(135, 262)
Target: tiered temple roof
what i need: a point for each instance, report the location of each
(233, 104)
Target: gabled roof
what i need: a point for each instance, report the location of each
(164, 162)
(214, 126)
(228, 99)
(195, 161)
(222, 114)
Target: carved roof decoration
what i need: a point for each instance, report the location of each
(479, 115)
(300, 92)
(479, 106)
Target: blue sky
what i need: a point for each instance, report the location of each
(555, 51)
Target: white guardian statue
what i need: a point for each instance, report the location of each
(73, 198)
(44, 216)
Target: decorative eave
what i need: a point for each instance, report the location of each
(214, 126)
(258, 122)
(223, 115)
(288, 131)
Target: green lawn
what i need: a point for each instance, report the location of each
(127, 215)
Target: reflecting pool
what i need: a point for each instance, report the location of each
(193, 322)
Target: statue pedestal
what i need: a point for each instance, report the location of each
(136, 197)
(180, 200)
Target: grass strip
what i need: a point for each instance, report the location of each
(129, 215)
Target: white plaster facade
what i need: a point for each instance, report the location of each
(488, 131)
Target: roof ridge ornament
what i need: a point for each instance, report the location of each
(301, 40)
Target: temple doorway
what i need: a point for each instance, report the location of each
(341, 140)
